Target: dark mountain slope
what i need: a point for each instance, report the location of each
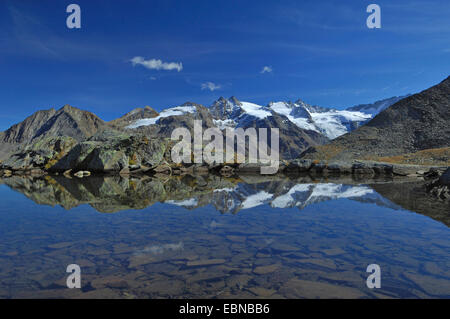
(418, 122)
(26, 130)
(67, 121)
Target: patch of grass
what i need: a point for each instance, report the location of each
(432, 156)
(326, 152)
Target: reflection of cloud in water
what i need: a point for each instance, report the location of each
(227, 190)
(184, 203)
(214, 224)
(160, 249)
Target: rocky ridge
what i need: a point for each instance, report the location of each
(416, 123)
(73, 141)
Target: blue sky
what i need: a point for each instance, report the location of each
(319, 51)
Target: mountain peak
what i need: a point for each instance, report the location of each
(67, 108)
(188, 103)
(234, 100)
(301, 102)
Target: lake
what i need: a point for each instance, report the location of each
(215, 237)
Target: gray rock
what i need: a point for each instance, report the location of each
(299, 165)
(445, 178)
(362, 169)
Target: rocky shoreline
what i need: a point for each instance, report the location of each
(110, 152)
(439, 186)
(364, 168)
(29, 166)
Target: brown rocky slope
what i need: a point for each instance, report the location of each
(416, 123)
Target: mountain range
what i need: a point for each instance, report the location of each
(394, 129)
(301, 125)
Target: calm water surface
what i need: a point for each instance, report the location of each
(209, 237)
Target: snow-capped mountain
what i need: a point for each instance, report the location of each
(293, 139)
(329, 121)
(231, 112)
(234, 113)
(375, 108)
(296, 113)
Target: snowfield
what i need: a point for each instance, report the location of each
(330, 122)
(302, 122)
(336, 123)
(174, 111)
(255, 110)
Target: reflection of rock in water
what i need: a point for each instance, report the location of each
(112, 194)
(227, 195)
(412, 196)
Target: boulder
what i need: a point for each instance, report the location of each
(187, 170)
(227, 170)
(112, 151)
(42, 153)
(299, 165)
(439, 187)
(82, 174)
(340, 167)
(125, 171)
(36, 172)
(163, 169)
(445, 178)
(254, 168)
(359, 168)
(74, 158)
(104, 159)
(78, 174)
(202, 170)
(404, 169)
(382, 169)
(7, 173)
(318, 167)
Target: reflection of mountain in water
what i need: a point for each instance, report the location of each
(412, 196)
(288, 194)
(115, 193)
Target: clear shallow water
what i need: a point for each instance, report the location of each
(215, 238)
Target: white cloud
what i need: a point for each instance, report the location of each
(210, 86)
(266, 69)
(154, 64)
